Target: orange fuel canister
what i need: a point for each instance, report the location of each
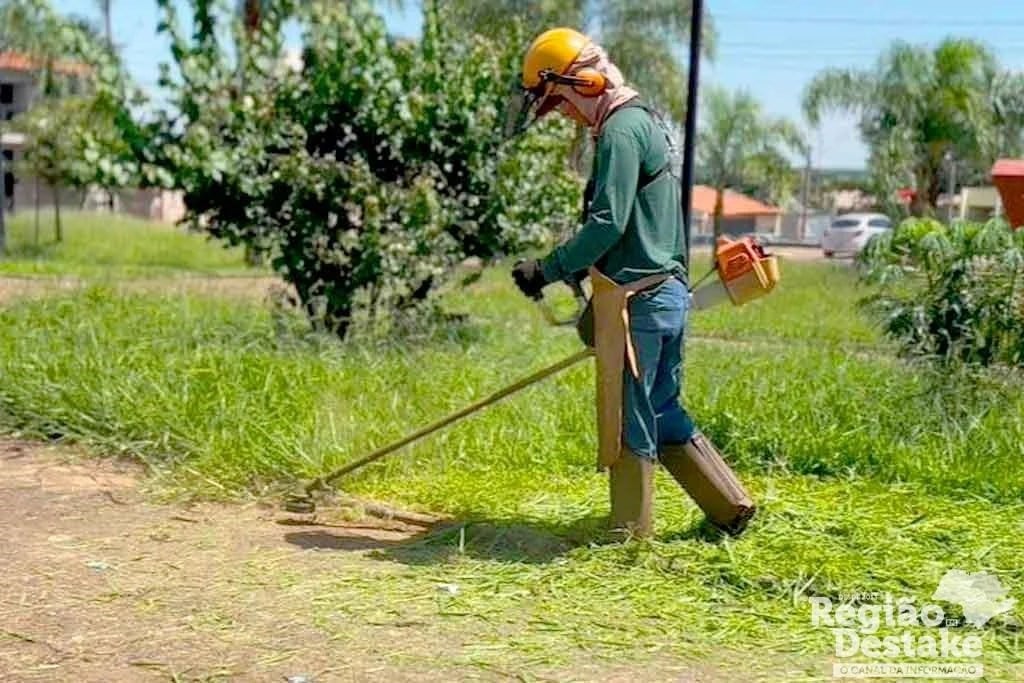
(746, 271)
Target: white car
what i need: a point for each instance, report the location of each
(850, 232)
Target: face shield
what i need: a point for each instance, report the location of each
(526, 106)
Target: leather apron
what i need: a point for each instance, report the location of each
(613, 349)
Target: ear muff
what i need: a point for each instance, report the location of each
(590, 82)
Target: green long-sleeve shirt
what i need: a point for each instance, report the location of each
(627, 234)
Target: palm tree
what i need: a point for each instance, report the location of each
(739, 144)
(644, 39)
(919, 104)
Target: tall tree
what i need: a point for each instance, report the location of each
(643, 39)
(919, 103)
(739, 144)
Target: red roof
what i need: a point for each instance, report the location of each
(17, 61)
(734, 203)
(1008, 176)
(1008, 167)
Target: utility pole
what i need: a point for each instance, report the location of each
(108, 25)
(696, 24)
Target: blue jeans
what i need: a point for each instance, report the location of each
(651, 410)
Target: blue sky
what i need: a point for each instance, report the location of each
(770, 48)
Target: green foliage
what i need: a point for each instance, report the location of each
(73, 142)
(917, 104)
(955, 293)
(369, 174)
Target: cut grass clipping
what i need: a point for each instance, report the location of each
(873, 475)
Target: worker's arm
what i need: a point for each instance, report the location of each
(616, 174)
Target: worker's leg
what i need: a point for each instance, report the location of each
(632, 478)
(674, 423)
(688, 456)
(656, 320)
(640, 428)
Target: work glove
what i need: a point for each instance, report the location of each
(529, 277)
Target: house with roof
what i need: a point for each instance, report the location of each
(20, 84)
(741, 214)
(17, 87)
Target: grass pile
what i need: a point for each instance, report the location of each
(104, 245)
(874, 475)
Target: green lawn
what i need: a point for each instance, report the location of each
(103, 245)
(873, 475)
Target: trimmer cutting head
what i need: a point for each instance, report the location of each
(300, 503)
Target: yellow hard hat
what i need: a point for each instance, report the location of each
(554, 51)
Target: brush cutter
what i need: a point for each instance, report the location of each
(302, 502)
(744, 272)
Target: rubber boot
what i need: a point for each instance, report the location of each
(631, 481)
(703, 474)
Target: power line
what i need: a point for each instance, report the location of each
(862, 21)
(783, 50)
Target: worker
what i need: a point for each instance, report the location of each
(632, 243)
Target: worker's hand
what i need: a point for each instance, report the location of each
(529, 277)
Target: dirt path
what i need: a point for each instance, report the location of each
(101, 585)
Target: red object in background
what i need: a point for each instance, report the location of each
(1008, 176)
(906, 195)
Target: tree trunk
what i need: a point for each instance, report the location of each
(374, 302)
(253, 257)
(3, 206)
(56, 215)
(926, 193)
(36, 200)
(252, 18)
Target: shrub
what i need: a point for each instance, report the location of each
(368, 173)
(953, 293)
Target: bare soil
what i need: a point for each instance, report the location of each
(101, 585)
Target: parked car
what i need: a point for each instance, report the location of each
(850, 232)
